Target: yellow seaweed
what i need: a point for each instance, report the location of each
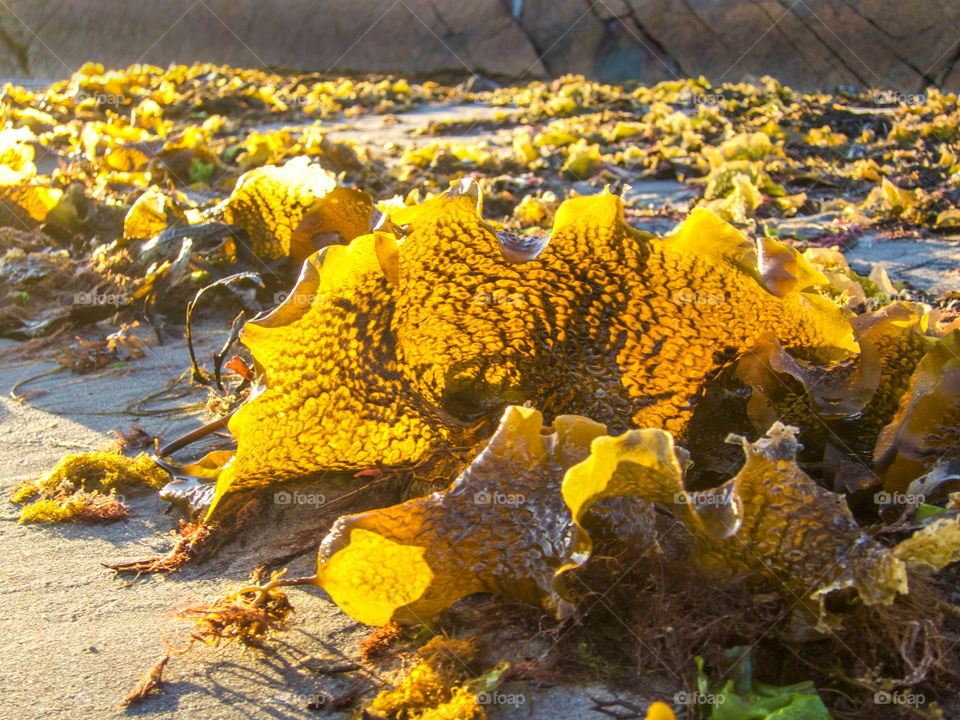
(501, 527)
(390, 347)
(935, 546)
(516, 521)
(926, 426)
(83, 487)
(271, 202)
(151, 214)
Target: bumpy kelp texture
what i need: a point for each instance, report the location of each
(926, 427)
(284, 208)
(501, 527)
(390, 347)
(516, 521)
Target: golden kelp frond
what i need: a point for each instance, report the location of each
(798, 534)
(926, 427)
(389, 347)
(784, 269)
(890, 200)
(771, 519)
(515, 522)
(501, 527)
(270, 203)
(639, 322)
(331, 395)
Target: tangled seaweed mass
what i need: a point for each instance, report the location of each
(393, 347)
(547, 391)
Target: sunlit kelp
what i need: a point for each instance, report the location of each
(271, 202)
(84, 486)
(926, 427)
(515, 520)
(607, 353)
(500, 527)
(406, 337)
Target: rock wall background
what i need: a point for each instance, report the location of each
(896, 44)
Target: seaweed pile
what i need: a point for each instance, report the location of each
(716, 423)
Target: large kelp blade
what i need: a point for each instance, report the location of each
(389, 347)
(926, 427)
(501, 527)
(329, 394)
(640, 324)
(771, 519)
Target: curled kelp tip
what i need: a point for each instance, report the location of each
(780, 442)
(647, 465)
(784, 270)
(501, 527)
(388, 254)
(470, 189)
(784, 387)
(925, 426)
(337, 217)
(402, 339)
